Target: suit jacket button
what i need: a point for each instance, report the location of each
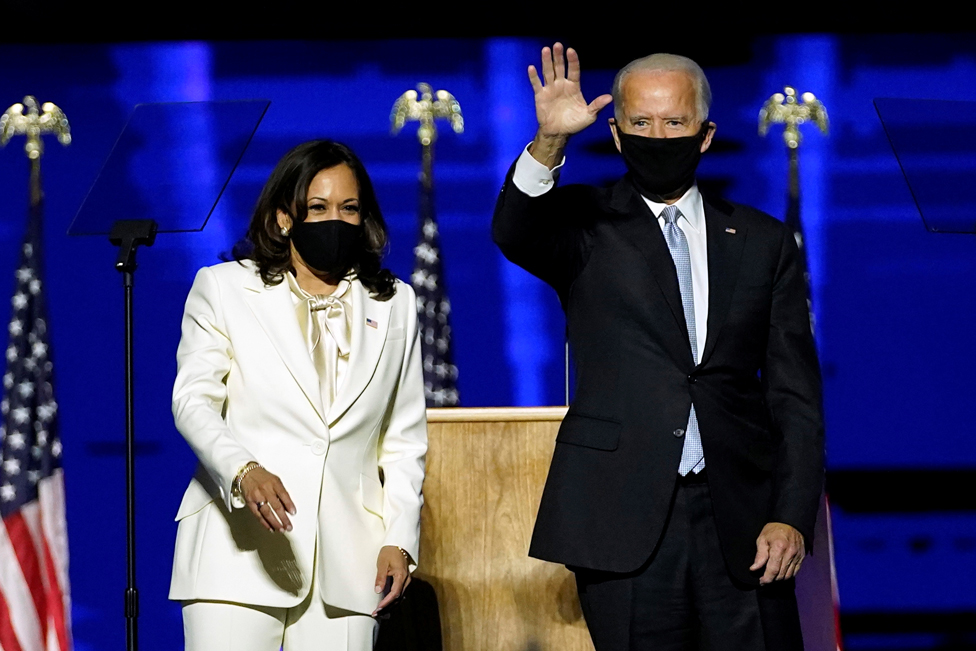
(319, 448)
(692, 379)
(678, 433)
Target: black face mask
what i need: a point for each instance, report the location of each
(662, 167)
(329, 247)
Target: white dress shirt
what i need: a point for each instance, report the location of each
(535, 179)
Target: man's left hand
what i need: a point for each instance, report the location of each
(781, 549)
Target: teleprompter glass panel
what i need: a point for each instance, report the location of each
(935, 144)
(170, 164)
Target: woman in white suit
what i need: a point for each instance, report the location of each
(301, 392)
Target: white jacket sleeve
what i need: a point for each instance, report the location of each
(204, 359)
(403, 445)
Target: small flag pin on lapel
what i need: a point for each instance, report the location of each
(730, 230)
(371, 323)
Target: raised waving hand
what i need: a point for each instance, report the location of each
(559, 104)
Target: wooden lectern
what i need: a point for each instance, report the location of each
(485, 473)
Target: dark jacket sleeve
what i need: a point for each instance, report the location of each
(792, 384)
(544, 235)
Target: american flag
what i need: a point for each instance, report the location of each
(816, 585)
(796, 225)
(34, 596)
(433, 307)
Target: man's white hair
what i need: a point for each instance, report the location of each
(666, 63)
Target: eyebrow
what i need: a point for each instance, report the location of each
(634, 118)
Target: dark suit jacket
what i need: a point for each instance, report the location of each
(756, 392)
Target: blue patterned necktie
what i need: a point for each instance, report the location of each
(692, 455)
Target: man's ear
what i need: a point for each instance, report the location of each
(613, 132)
(707, 142)
(284, 220)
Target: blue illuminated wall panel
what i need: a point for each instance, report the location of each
(895, 305)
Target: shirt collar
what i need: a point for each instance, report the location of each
(690, 205)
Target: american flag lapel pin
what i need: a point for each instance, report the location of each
(371, 323)
(730, 230)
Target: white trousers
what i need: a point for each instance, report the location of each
(223, 626)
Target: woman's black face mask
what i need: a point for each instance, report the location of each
(662, 167)
(330, 247)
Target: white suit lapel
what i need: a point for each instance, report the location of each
(274, 310)
(370, 321)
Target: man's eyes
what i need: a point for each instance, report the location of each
(640, 124)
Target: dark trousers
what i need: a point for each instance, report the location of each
(683, 597)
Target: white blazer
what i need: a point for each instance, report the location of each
(246, 389)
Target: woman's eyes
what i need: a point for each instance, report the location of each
(347, 208)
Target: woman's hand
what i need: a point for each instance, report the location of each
(391, 563)
(268, 500)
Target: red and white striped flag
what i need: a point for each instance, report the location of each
(34, 597)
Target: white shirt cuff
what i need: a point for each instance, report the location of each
(532, 177)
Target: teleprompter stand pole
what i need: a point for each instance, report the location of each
(128, 235)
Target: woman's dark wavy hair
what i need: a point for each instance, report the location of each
(287, 190)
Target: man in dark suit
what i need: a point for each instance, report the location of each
(684, 487)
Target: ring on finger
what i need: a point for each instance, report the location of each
(260, 504)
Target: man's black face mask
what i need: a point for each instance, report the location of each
(662, 167)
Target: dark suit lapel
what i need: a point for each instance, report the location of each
(640, 228)
(726, 238)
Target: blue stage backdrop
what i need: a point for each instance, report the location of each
(895, 304)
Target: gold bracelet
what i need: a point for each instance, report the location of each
(246, 468)
(406, 556)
